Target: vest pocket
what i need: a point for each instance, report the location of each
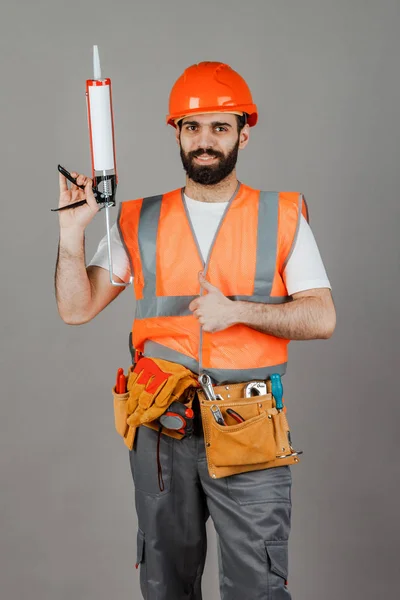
(248, 443)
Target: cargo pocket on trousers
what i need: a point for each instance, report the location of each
(272, 486)
(140, 560)
(277, 556)
(152, 458)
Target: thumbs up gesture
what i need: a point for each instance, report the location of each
(214, 311)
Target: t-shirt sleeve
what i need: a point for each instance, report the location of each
(120, 259)
(305, 269)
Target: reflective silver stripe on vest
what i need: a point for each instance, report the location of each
(219, 376)
(147, 238)
(175, 306)
(267, 233)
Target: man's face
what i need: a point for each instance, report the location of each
(209, 146)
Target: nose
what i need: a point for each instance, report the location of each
(205, 138)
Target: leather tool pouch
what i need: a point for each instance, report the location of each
(249, 446)
(122, 412)
(121, 415)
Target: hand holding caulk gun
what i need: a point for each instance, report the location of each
(87, 196)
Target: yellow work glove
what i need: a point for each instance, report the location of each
(153, 385)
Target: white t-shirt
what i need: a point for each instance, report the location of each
(304, 269)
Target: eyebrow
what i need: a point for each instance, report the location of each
(214, 123)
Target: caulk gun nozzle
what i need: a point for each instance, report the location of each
(96, 63)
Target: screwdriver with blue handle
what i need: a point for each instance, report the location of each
(277, 392)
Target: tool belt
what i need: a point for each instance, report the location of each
(152, 385)
(261, 441)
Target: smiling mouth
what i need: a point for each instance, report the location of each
(205, 158)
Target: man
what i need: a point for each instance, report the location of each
(256, 258)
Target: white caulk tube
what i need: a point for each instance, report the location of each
(102, 144)
(101, 131)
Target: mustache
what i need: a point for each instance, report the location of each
(201, 151)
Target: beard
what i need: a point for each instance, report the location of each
(209, 174)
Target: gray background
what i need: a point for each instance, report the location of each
(325, 75)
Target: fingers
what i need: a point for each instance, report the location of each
(80, 179)
(73, 186)
(77, 193)
(90, 199)
(87, 191)
(63, 183)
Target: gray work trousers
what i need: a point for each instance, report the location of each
(250, 511)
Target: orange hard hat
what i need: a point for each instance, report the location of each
(210, 87)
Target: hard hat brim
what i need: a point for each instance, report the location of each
(251, 111)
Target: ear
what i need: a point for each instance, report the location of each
(244, 136)
(177, 135)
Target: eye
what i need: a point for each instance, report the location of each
(221, 128)
(190, 127)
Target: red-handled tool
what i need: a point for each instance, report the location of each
(120, 384)
(235, 415)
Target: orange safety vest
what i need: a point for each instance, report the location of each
(250, 249)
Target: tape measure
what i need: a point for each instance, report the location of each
(178, 417)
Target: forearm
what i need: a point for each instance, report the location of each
(301, 319)
(72, 285)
